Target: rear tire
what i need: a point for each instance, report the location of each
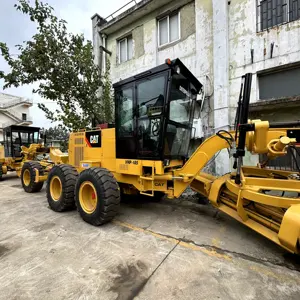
(28, 177)
(97, 196)
(60, 188)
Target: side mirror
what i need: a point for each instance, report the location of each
(41, 135)
(7, 134)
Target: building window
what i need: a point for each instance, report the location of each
(275, 12)
(125, 49)
(169, 29)
(24, 117)
(282, 84)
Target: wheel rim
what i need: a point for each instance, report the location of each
(55, 188)
(26, 177)
(88, 197)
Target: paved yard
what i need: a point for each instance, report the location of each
(167, 250)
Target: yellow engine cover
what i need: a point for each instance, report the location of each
(94, 148)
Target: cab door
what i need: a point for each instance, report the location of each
(151, 101)
(7, 142)
(125, 122)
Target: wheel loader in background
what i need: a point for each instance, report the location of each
(22, 152)
(147, 153)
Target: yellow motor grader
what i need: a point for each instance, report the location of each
(22, 152)
(14, 137)
(147, 153)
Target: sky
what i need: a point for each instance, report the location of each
(16, 28)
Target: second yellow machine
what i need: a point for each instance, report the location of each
(147, 153)
(14, 151)
(22, 152)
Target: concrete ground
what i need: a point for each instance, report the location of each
(167, 250)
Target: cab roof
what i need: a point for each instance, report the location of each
(21, 128)
(166, 66)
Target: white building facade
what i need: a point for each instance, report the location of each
(219, 41)
(13, 111)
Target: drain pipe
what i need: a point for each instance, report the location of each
(104, 38)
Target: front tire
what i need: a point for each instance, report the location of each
(28, 177)
(97, 196)
(60, 189)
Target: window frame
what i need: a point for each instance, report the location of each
(281, 71)
(165, 75)
(286, 17)
(117, 111)
(168, 18)
(119, 48)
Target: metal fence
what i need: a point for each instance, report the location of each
(276, 12)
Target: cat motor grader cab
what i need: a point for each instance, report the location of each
(22, 152)
(14, 137)
(147, 153)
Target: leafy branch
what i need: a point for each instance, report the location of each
(62, 64)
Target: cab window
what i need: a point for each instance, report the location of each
(151, 101)
(125, 103)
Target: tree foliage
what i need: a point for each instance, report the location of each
(58, 133)
(62, 65)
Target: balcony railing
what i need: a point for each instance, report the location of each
(122, 9)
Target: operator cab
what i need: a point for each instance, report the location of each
(154, 112)
(16, 136)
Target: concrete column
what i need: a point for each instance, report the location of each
(221, 76)
(97, 21)
(204, 58)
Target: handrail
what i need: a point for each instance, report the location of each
(127, 4)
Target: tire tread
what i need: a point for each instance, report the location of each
(68, 176)
(108, 193)
(33, 187)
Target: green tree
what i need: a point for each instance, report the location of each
(59, 133)
(62, 65)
